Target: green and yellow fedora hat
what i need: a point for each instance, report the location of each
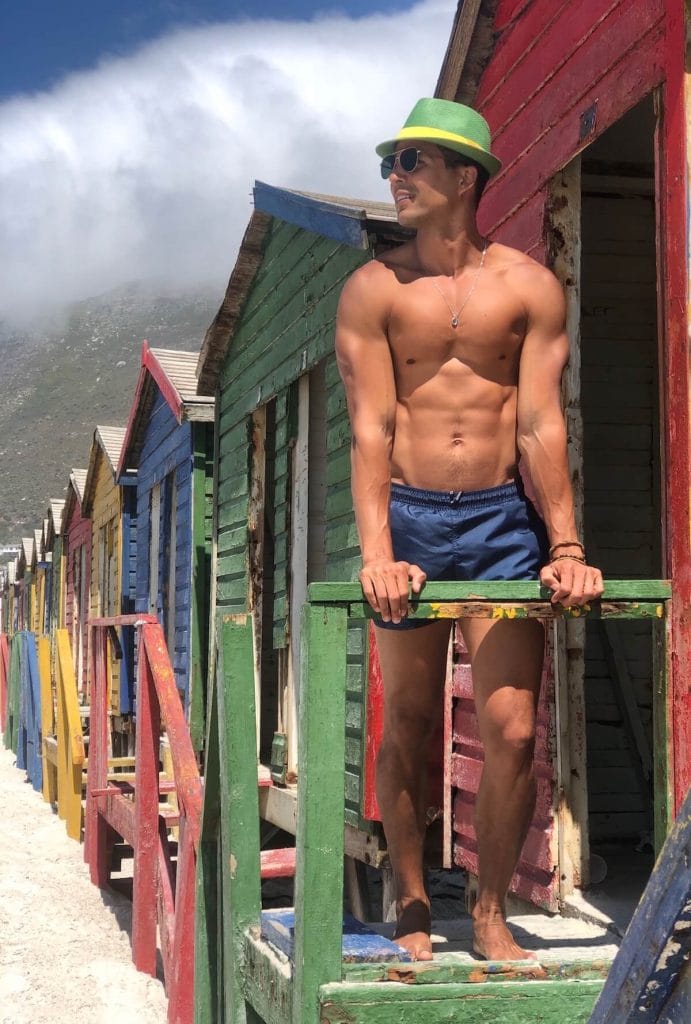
(447, 124)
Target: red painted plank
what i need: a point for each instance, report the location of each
(466, 773)
(615, 93)
(673, 275)
(278, 863)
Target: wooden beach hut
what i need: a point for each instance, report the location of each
(76, 530)
(109, 503)
(169, 443)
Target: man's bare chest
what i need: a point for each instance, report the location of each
(428, 324)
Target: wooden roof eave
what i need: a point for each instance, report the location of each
(470, 47)
(218, 336)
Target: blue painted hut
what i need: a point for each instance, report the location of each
(169, 442)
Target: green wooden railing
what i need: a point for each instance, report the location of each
(241, 986)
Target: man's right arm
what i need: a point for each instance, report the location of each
(364, 361)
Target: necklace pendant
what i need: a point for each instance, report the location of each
(454, 321)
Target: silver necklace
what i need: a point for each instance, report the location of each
(456, 314)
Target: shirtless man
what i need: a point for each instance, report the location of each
(451, 349)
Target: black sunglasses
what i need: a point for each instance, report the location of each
(407, 161)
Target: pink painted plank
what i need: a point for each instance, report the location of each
(144, 916)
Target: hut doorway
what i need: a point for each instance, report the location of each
(604, 249)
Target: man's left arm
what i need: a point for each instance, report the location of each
(542, 438)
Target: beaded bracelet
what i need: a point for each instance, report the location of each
(567, 544)
(574, 558)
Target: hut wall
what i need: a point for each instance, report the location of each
(551, 66)
(286, 328)
(128, 593)
(164, 489)
(106, 557)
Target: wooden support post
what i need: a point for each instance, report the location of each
(663, 777)
(95, 826)
(241, 903)
(321, 805)
(70, 740)
(146, 817)
(208, 958)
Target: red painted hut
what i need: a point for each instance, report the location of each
(588, 113)
(76, 530)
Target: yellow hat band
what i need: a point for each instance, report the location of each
(419, 132)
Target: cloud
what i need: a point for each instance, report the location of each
(142, 168)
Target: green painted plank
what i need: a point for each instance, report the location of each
(319, 840)
(491, 590)
(239, 809)
(530, 1002)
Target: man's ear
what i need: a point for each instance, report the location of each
(467, 179)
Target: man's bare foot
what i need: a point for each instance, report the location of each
(493, 940)
(413, 928)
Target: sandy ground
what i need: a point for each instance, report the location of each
(65, 950)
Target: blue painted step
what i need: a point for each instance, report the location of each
(360, 943)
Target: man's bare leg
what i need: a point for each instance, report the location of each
(413, 664)
(506, 659)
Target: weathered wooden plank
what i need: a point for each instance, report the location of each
(537, 610)
(546, 1002)
(657, 942)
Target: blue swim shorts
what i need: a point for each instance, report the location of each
(494, 534)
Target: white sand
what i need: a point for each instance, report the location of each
(65, 951)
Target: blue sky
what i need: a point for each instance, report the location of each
(130, 140)
(75, 34)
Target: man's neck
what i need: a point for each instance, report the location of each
(448, 250)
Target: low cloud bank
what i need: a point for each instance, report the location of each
(142, 169)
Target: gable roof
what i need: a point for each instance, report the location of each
(349, 221)
(107, 443)
(174, 374)
(55, 517)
